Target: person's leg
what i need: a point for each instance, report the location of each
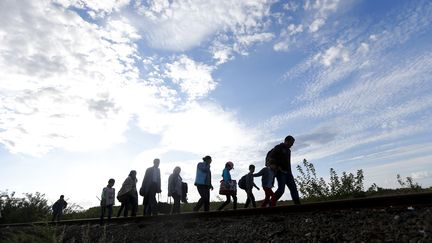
(153, 203)
(247, 203)
(201, 200)
(252, 198)
(234, 201)
(293, 188)
(110, 211)
(145, 205)
(281, 179)
(127, 207)
(267, 197)
(206, 198)
(134, 206)
(102, 215)
(227, 201)
(60, 215)
(120, 209)
(272, 198)
(176, 206)
(54, 216)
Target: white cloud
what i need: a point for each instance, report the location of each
(316, 25)
(75, 85)
(181, 25)
(420, 175)
(314, 16)
(250, 39)
(366, 112)
(193, 78)
(67, 85)
(95, 7)
(334, 54)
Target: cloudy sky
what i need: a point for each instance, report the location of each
(92, 89)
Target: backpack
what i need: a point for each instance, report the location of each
(268, 158)
(242, 182)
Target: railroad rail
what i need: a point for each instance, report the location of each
(423, 199)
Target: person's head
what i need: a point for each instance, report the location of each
(272, 166)
(111, 182)
(156, 163)
(289, 141)
(229, 165)
(177, 170)
(251, 168)
(207, 159)
(133, 173)
(62, 197)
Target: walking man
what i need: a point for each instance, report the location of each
(280, 155)
(150, 186)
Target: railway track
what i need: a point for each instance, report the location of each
(397, 201)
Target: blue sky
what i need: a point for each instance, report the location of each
(90, 90)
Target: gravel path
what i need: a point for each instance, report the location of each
(363, 225)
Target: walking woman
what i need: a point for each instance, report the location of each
(229, 189)
(175, 183)
(128, 195)
(203, 184)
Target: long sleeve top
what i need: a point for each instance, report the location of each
(203, 174)
(108, 196)
(226, 175)
(267, 178)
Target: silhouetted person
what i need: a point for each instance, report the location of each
(226, 175)
(150, 186)
(249, 187)
(128, 195)
(107, 200)
(175, 189)
(203, 184)
(58, 207)
(268, 175)
(280, 155)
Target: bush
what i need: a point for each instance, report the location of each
(30, 208)
(314, 188)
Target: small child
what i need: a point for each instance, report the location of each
(249, 186)
(226, 175)
(107, 200)
(268, 175)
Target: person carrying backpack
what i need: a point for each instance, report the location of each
(248, 185)
(280, 155)
(227, 183)
(128, 195)
(267, 179)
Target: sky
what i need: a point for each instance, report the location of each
(90, 90)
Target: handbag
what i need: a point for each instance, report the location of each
(228, 188)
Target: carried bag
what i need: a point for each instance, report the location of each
(123, 197)
(184, 192)
(164, 207)
(228, 188)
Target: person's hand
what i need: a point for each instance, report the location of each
(211, 188)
